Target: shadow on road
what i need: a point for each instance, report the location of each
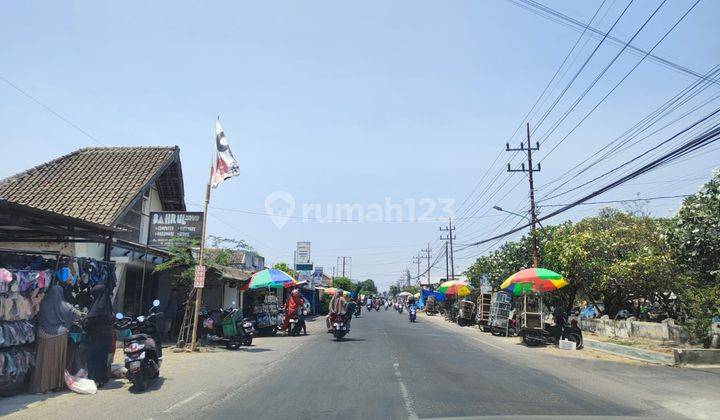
(153, 385)
(256, 349)
(350, 339)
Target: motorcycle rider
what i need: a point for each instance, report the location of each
(337, 306)
(294, 305)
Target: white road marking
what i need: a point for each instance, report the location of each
(405, 394)
(183, 402)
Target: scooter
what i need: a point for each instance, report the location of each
(358, 308)
(339, 327)
(225, 326)
(502, 332)
(143, 353)
(412, 312)
(400, 309)
(296, 322)
(549, 335)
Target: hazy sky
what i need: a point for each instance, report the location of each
(346, 103)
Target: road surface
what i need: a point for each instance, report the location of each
(388, 368)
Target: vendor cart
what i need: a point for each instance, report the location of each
(483, 310)
(466, 312)
(431, 307)
(500, 320)
(531, 315)
(268, 316)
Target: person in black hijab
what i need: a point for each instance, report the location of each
(99, 333)
(54, 320)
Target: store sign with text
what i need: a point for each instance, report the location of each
(166, 225)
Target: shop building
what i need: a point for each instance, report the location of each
(96, 203)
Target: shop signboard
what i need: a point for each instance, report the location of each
(166, 225)
(303, 253)
(199, 282)
(304, 267)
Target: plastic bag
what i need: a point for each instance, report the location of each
(80, 383)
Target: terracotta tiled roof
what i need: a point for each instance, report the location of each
(93, 184)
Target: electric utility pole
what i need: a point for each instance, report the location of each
(417, 260)
(530, 170)
(447, 263)
(427, 251)
(450, 236)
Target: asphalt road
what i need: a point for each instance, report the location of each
(388, 368)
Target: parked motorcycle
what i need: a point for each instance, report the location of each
(339, 327)
(503, 332)
(550, 334)
(412, 312)
(143, 351)
(225, 326)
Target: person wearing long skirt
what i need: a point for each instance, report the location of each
(54, 320)
(99, 327)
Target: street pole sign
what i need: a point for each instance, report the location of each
(303, 253)
(199, 276)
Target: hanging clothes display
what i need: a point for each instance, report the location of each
(24, 278)
(79, 275)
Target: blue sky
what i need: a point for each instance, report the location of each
(342, 102)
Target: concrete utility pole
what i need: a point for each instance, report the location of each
(450, 236)
(530, 170)
(417, 260)
(427, 251)
(447, 262)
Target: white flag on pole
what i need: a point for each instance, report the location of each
(224, 165)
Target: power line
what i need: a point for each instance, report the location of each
(672, 28)
(52, 111)
(629, 200)
(547, 12)
(700, 141)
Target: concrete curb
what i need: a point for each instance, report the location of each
(631, 352)
(697, 357)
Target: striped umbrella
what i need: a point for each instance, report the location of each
(455, 288)
(271, 278)
(533, 280)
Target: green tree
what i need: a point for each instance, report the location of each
(394, 290)
(181, 260)
(344, 283)
(368, 287)
(694, 239)
(284, 267)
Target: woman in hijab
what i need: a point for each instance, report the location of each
(99, 328)
(54, 320)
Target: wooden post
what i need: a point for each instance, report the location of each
(201, 261)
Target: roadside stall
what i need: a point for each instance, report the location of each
(500, 320)
(24, 278)
(483, 310)
(268, 286)
(433, 300)
(453, 290)
(530, 284)
(466, 312)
